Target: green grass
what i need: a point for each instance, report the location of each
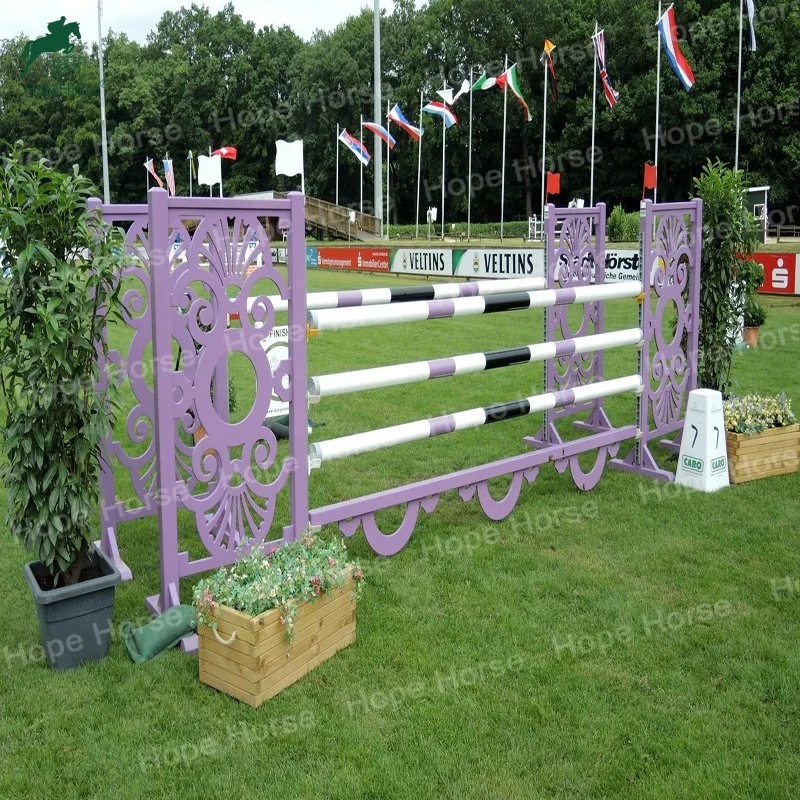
(627, 642)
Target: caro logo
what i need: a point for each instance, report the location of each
(692, 464)
(57, 40)
(718, 464)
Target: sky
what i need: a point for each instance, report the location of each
(137, 18)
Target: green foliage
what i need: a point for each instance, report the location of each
(54, 307)
(751, 274)
(728, 231)
(297, 573)
(622, 227)
(754, 413)
(755, 315)
(478, 230)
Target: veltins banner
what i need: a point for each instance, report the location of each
(515, 262)
(423, 261)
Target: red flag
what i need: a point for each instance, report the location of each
(553, 185)
(226, 152)
(650, 178)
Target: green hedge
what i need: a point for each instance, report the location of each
(622, 227)
(478, 230)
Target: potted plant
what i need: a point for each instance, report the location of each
(270, 618)
(63, 286)
(762, 435)
(754, 317)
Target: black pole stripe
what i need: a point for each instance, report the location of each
(501, 411)
(404, 294)
(506, 302)
(505, 358)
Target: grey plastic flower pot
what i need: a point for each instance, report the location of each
(75, 621)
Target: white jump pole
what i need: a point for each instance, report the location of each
(321, 452)
(413, 372)
(437, 291)
(419, 311)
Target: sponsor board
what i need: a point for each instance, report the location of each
(312, 259)
(361, 259)
(276, 346)
(516, 262)
(423, 261)
(781, 272)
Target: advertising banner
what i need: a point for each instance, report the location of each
(516, 262)
(781, 272)
(276, 346)
(312, 261)
(423, 261)
(363, 259)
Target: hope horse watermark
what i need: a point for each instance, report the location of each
(57, 40)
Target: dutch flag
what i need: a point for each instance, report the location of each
(379, 130)
(397, 116)
(441, 110)
(669, 37)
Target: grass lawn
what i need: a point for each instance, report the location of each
(636, 641)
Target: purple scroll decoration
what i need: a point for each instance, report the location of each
(671, 242)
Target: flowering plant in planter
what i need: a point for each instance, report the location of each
(753, 413)
(283, 578)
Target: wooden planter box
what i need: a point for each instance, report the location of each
(259, 662)
(773, 452)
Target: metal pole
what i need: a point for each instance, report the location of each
(361, 162)
(388, 148)
(103, 133)
(503, 169)
(658, 101)
(191, 167)
(377, 112)
(739, 86)
(469, 167)
(419, 164)
(444, 138)
(544, 140)
(337, 164)
(594, 117)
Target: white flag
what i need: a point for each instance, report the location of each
(751, 15)
(446, 95)
(465, 88)
(209, 170)
(289, 159)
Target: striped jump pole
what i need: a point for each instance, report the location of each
(340, 318)
(321, 452)
(415, 371)
(404, 294)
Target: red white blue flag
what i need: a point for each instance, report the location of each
(599, 41)
(356, 147)
(669, 38)
(441, 110)
(148, 165)
(169, 174)
(379, 130)
(397, 116)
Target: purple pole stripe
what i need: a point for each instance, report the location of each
(468, 290)
(442, 367)
(564, 398)
(565, 296)
(441, 309)
(566, 347)
(347, 299)
(440, 425)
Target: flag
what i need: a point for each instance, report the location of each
(669, 38)
(483, 83)
(357, 148)
(169, 174)
(751, 16)
(190, 159)
(546, 54)
(446, 95)
(553, 183)
(599, 41)
(463, 90)
(650, 178)
(226, 152)
(148, 165)
(509, 78)
(396, 116)
(441, 110)
(209, 170)
(289, 157)
(379, 130)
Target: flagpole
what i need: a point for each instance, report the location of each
(594, 116)
(419, 164)
(388, 148)
(103, 128)
(337, 163)
(191, 167)
(147, 177)
(739, 86)
(544, 141)
(503, 168)
(444, 138)
(361, 162)
(658, 100)
(469, 167)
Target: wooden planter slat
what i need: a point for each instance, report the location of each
(775, 451)
(259, 662)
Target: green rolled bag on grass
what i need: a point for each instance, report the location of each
(160, 635)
